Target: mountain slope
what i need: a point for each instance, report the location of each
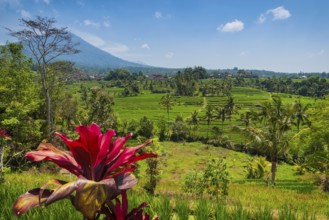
(91, 56)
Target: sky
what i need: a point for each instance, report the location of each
(276, 35)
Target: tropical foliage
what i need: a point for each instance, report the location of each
(103, 169)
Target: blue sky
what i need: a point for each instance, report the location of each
(278, 35)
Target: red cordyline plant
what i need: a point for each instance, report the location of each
(103, 167)
(4, 134)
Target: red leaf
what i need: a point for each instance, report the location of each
(51, 153)
(127, 155)
(116, 148)
(89, 137)
(104, 146)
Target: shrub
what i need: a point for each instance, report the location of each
(213, 180)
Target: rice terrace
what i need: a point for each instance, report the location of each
(89, 132)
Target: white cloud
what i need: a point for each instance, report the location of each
(115, 48)
(234, 26)
(159, 15)
(145, 46)
(169, 55)
(279, 13)
(90, 38)
(25, 14)
(90, 23)
(111, 47)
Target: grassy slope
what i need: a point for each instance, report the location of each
(297, 192)
(293, 191)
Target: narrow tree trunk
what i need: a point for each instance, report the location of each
(48, 109)
(273, 170)
(47, 98)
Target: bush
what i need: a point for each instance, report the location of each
(180, 130)
(257, 168)
(213, 180)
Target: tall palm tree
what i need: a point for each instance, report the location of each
(230, 107)
(168, 101)
(193, 122)
(300, 113)
(209, 116)
(272, 137)
(221, 114)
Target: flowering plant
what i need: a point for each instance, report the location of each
(103, 167)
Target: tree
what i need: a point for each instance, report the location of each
(168, 101)
(221, 114)
(145, 127)
(194, 119)
(230, 107)
(300, 113)
(272, 138)
(179, 130)
(45, 43)
(100, 108)
(19, 99)
(209, 116)
(312, 142)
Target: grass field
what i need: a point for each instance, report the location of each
(293, 193)
(147, 104)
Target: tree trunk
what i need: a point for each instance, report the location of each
(273, 170)
(48, 109)
(48, 99)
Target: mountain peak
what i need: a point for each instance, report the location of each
(91, 56)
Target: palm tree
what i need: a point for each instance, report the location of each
(194, 119)
(221, 114)
(209, 116)
(272, 137)
(168, 101)
(230, 107)
(193, 122)
(300, 113)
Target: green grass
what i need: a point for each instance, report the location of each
(147, 104)
(246, 199)
(298, 192)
